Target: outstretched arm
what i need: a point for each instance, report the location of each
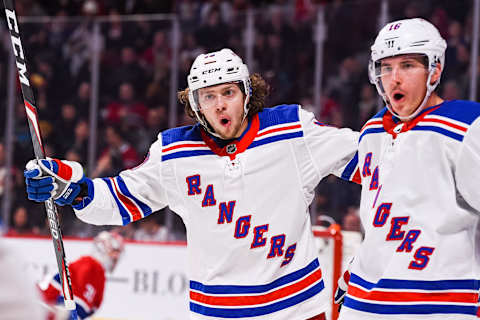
(130, 196)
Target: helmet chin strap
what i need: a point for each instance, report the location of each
(419, 109)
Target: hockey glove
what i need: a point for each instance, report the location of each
(342, 289)
(52, 178)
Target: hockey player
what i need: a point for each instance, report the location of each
(419, 160)
(242, 179)
(87, 275)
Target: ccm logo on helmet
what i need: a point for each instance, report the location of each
(211, 70)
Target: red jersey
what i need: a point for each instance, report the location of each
(88, 282)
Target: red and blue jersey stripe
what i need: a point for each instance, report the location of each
(238, 301)
(351, 171)
(130, 208)
(394, 296)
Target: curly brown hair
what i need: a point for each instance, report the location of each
(260, 91)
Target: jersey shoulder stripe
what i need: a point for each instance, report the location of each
(243, 301)
(459, 111)
(183, 142)
(181, 134)
(281, 114)
(278, 123)
(395, 296)
(373, 125)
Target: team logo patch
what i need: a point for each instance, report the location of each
(231, 148)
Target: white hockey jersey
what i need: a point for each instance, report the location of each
(420, 211)
(245, 207)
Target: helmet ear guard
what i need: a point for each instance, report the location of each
(409, 36)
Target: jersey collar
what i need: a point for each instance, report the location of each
(394, 126)
(233, 147)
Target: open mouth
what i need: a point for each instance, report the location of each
(224, 121)
(398, 96)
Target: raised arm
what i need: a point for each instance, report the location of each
(130, 196)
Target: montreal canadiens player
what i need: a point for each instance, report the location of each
(87, 275)
(419, 160)
(241, 179)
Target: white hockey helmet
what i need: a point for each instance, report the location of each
(108, 247)
(215, 68)
(409, 36)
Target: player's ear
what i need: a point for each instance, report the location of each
(437, 73)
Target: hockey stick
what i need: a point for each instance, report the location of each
(29, 102)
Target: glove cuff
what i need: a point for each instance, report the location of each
(85, 195)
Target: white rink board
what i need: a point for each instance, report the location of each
(150, 281)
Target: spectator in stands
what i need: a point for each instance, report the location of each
(451, 90)
(128, 71)
(81, 138)
(156, 122)
(213, 34)
(127, 111)
(78, 47)
(82, 99)
(20, 224)
(117, 156)
(151, 230)
(65, 127)
(367, 106)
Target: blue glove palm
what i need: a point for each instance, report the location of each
(53, 178)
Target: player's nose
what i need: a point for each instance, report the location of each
(396, 75)
(221, 103)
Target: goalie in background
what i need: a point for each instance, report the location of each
(88, 277)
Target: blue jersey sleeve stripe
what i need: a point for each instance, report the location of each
(442, 131)
(408, 309)
(258, 311)
(186, 154)
(468, 284)
(350, 168)
(126, 219)
(369, 131)
(279, 137)
(146, 210)
(235, 289)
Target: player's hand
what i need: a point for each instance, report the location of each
(53, 178)
(342, 289)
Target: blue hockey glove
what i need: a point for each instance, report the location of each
(342, 289)
(52, 178)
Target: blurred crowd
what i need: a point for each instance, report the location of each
(134, 82)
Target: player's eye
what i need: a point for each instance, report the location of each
(386, 69)
(228, 92)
